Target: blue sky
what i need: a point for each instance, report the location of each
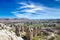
(31, 9)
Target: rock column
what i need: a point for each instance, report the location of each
(17, 31)
(29, 33)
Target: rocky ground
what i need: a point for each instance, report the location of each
(18, 32)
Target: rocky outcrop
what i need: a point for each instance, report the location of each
(7, 34)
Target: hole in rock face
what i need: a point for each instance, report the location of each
(24, 37)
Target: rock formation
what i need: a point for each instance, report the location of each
(6, 34)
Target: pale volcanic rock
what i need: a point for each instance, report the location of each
(6, 35)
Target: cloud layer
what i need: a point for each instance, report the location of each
(33, 11)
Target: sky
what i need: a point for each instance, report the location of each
(31, 9)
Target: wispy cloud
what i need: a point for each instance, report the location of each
(57, 0)
(34, 11)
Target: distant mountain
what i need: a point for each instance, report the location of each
(24, 20)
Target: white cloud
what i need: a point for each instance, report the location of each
(25, 5)
(57, 0)
(26, 15)
(41, 11)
